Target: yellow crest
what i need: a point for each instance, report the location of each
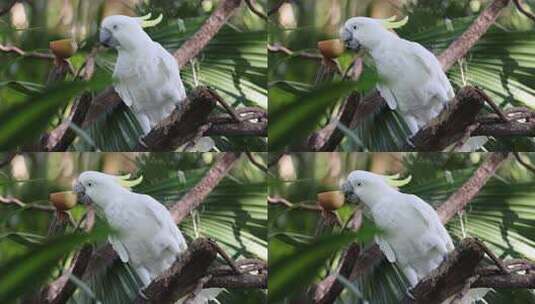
(391, 23)
(125, 181)
(146, 22)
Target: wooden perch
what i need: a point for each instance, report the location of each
(182, 125)
(182, 277)
(462, 271)
(450, 277)
(452, 123)
(194, 267)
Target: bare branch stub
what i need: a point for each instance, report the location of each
(449, 278)
(181, 126)
(182, 277)
(452, 123)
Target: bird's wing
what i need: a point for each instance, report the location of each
(166, 222)
(386, 249)
(167, 63)
(430, 216)
(432, 71)
(388, 96)
(119, 248)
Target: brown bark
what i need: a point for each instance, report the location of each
(469, 38)
(450, 277)
(197, 194)
(452, 123)
(182, 125)
(200, 39)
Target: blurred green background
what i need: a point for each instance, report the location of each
(501, 64)
(502, 215)
(234, 63)
(234, 215)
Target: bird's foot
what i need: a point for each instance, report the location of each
(410, 143)
(142, 142)
(142, 294)
(409, 294)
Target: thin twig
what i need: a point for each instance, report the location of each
(255, 162)
(252, 6)
(225, 256)
(285, 202)
(279, 48)
(523, 10)
(15, 201)
(494, 106)
(14, 49)
(499, 263)
(527, 165)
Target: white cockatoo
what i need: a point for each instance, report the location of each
(413, 236)
(146, 236)
(147, 75)
(411, 77)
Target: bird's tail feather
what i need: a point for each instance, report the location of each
(473, 144)
(471, 297)
(206, 295)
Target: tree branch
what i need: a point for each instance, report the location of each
(182, 125)
(197, 194)
(16, 50)
(212, 25)
(456, 202)
(449, 278)
(279, 48)
(469, 38)
(450, 126)
(252, 6)
(183, 277)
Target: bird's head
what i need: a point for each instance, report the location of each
(95, 187)
(365, 32)
(363, 186)
(124, 32)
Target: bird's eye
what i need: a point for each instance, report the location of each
(355, 27)
(359, 184)
(89, 184)
(115, 26)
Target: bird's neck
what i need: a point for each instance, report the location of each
(376, 46)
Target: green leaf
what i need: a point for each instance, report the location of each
(297, 270)
(22, 122)
(28, 271)
(292, 120)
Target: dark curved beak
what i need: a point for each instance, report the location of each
(106, 38)
(79, 189)
(349, 41)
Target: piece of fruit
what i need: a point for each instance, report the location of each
(331, 200)
(63, 48)
(63, 200)
(331, 48)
